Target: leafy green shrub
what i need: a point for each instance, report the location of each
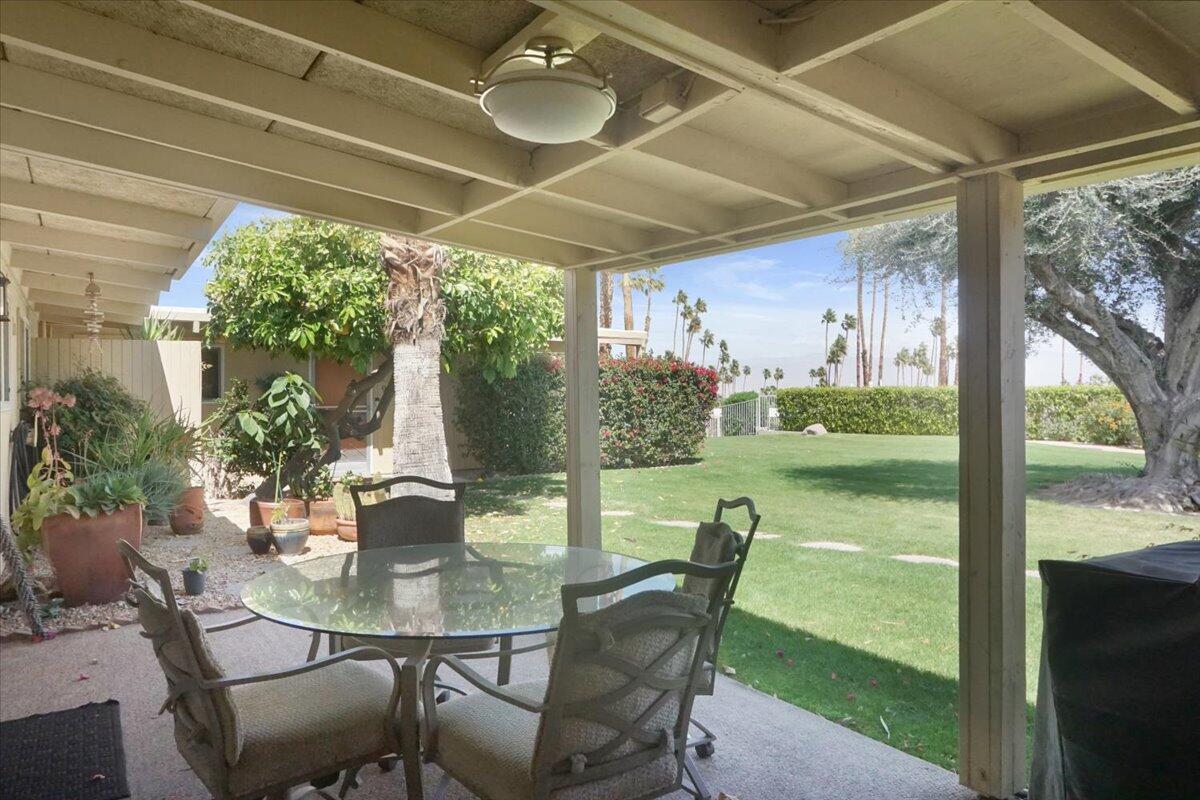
(652, 412)
(739, 397)
(884, 409)
(515, 425)
(102, 407)
(1096, 414)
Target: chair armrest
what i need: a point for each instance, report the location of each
(236, 623)
(308, 666)
(481, 683)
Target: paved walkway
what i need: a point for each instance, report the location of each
(768, 750)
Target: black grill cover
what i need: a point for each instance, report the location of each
(1122, 635)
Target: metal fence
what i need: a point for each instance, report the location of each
(747, 418)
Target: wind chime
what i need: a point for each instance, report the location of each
(93, 317)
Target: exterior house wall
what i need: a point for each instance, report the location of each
(14, 363)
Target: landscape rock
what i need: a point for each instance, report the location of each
(815, 430)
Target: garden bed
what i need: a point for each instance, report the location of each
(223, 544)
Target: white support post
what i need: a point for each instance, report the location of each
(583, 409)
(991, 320)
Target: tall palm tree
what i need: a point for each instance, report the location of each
(706, 341)
(829, 318)
(745, 376)
(812, 376)
(415, 313)
(778, 376)
(735, 369)
(849, 323)
(766, 377)
(647, 282)
(680, 301)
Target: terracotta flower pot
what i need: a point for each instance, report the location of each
(84, 554)
(261, 510)
(347, 530)
(322, 517)
(188, 516)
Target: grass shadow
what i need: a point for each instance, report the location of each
(513, 495)
(907, 708)
(912, 479)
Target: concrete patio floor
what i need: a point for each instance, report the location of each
(767, 750)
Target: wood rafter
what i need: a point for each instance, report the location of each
(1120, 39)
(138, 255)
(60, 266)
(77, 285)
(727, 43)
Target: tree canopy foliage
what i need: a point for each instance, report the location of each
(306, 287)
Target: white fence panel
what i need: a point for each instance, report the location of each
(164, 374)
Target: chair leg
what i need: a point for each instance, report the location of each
(703, 744)
(504, 664)
(693, 773)
(349, 782)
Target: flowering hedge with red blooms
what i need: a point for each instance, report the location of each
(652, 413)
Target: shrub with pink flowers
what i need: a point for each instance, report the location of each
(652, 413)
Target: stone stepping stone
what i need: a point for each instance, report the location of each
(675, 523)
(555, 503)
(945, 562)
(841, 547)
(616, 513)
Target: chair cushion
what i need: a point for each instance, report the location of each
(293, 726)
(487, 744)
(716, 543)
(210, 669)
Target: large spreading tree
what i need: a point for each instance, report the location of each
(1114, 269)
(303, 287)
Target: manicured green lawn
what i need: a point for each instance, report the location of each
(857, 637)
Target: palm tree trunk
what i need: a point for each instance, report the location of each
(606, 307)
(631, 350)
(883, 328)
(869, 364)
(858, 328)
(943, 364)
(419, 435)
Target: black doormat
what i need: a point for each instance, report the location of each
(66, 755)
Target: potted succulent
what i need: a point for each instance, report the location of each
(78, 523)
(316, 488)
(193, 576)
(343, 502)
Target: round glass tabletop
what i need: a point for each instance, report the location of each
(439, 591)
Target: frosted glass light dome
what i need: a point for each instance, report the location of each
(548, 106)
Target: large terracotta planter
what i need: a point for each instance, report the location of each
(188, 516)
(322, 517)
(84, 554)
(261, 510)
(347, 530)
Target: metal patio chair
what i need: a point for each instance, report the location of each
(612, 720)
(412, 519)
(717, 543)
(262, 734)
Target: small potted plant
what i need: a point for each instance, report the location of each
(258, 537)
(193, 576)
(343, 503)
(290, 534)
(316, 489)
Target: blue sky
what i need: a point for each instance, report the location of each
(766, 302)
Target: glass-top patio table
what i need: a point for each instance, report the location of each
(424, 593)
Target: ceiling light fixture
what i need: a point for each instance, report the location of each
(540, 101)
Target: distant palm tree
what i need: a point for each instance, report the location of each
(837, 355)
(849, 323)
(735, 369)
(680, 301)
(778, 376)
(829, 318)
(812, 376)
(706, 341)
(745, 376)
(766, 377)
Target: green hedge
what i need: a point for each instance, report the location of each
(1097, 414)
(739, 397)
(653, 412)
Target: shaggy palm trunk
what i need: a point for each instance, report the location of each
(631, 350)
(415, 316)
(606, 307)
(419, 435)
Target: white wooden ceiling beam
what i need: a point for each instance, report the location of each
(642, 201)
(73, 300)
(62, 141)
(43, 199)
(554, 222)
(59, 266)
(77, 285)
(138, 255)
(546, 23)
(822, 32)
(362, 34)
(746, 168)
(70, 315)
(1119, 38)
(74, 101)
(727, 43)
(114, 47)
(474, 235)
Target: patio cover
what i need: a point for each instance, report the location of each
(790, 119)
